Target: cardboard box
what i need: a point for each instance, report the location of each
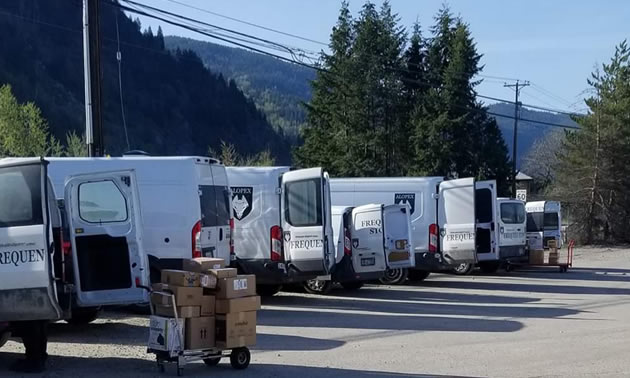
(235, 330)
(182, 312)
(536, 257)
(202, 264)
(207, 305)
(184, 296)
(200, 333)
(553, 243)
(553, 258)
(223, 273)
(208, 281)
(225, 306)
(166, 334)
(236, 287)
(180, 278)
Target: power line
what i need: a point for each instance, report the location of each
(120, 89)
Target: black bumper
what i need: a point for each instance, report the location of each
(430, 262)
(269, 272)
(344, 272)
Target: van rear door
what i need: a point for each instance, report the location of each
(109, 261)
(306, 221)
(397, 237)
(368, 253)
(27, 290)
(486, 218)
(456, 219)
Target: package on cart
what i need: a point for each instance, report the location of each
(184, 296)
(237, 329)
(180, 278)
(236, 287)
(200, 333)
(208, 281)
(536, 257)
(208, 305)
(223, 273)
(182, 311)
(166, 334)
(225, 306)
(202, 264)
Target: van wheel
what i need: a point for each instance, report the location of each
(82, 316)
(321, 287)
(489, 267)
(418, 275)
(4, 337)
(394, 276)
(352, 285)
(463, 269)
(267, 290)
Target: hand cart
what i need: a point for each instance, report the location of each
(563, 266)
(239, 357)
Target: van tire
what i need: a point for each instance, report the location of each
(4, 337)
(418, 275)
(352, 285)
(320, 287)
(394, 276)
(489, 267)
(267, 290)
(83, 316)
(463, 269)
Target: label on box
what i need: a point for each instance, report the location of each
(240, 284)
(208, 281)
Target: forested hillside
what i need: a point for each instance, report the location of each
(173, 104)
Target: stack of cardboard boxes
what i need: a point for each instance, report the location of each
(216, 307)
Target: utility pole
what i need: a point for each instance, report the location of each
(92, 78)
(517, 88)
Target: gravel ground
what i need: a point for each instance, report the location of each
(519, 324)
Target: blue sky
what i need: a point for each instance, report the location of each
(553, 44)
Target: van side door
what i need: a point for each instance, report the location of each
(306, 221)
(109, 260)
(456, 220)
(397, 236)
(487, 238)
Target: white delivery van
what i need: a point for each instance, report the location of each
(442, 216)
(512, 230)
(370, 239)
(44, 276)
(185, 204)
(283, 230)
(544, 223)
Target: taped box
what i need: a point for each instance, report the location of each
(223, 273)
(225, 306)
(184, 296)
(180, 278)
(208, 281)
(235, 330)
(236, 287)
(182, 312)
(202, 264)
(207, 305)
(166, 334)
(536, 257)
(200, 333)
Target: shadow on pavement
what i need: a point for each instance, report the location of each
(526, 287)
(427, 295)
(577, 274)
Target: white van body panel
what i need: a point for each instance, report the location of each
(366, 231)
(486, 194)
(398, 237)
(456, 219)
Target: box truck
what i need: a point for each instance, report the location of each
(283, 230)
(185, 204)
(442, 215)
(370, 239)
(544, 223)
(49, 274)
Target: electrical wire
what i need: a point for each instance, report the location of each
(120, 89)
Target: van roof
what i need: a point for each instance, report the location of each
(18, 161)
(380, 180)
(196, 159)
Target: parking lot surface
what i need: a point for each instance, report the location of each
(518, 324)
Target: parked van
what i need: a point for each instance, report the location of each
(370, 239)
(185, 204)
(45, 276)
(544, 223)
(442, 217)
(283, 230)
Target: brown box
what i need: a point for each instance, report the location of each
(180, 278)
(236, 287)
(553, 258)
(553, 243)
(236, 329)
(202, 264)
(208, 281)
(159, 287)
(207, 305)
(225, 306)
(536, 256)
(182, 312)
(223, 273)
(184, 296)
(200, 332)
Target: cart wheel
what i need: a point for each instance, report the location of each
(212, 361)
(240, 358)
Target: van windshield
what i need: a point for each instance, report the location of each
(534, 222)
(215, 205)
(304, 203)
(512, 213)
(551, 221)
(21, 196)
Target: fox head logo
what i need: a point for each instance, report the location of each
(406, 199)
(242, 199)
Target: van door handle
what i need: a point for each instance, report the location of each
(220, 233)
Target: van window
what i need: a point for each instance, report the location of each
(534, 222)
(483, 205)
(215, 205)
(21, 196)
(102, 202)
(551, 221)
(512, 213)
(303, 203)
(222, 194)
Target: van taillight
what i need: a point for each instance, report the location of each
(232, 238)
(276, 243)
(196, 240)
(433, 238)
(347, 243)
(66, 247)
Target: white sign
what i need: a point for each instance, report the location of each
(521, 194)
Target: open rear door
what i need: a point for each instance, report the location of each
(306, 221)
(456, 219)
(486, 213)
(368, 254)
(397, 236)
(106, 233)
